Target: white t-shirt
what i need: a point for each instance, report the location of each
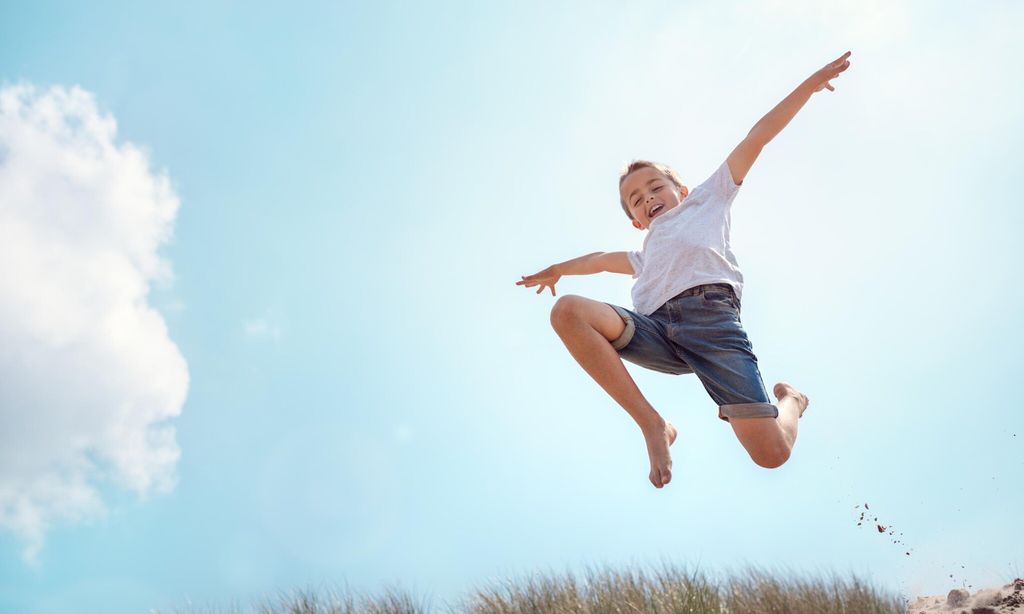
(688, 246)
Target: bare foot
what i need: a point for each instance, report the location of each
(659, 439)
(783, 390)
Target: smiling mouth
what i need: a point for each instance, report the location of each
(656, 210)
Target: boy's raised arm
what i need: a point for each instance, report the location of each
(597, 262)
(742, 158)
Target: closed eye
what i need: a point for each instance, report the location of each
(656, 188)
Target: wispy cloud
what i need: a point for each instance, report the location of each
(90, 375)
(261, 328)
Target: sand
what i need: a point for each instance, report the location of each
(993, 600)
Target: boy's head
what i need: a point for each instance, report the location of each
(647, 188)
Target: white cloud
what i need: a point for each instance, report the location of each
(89, 373)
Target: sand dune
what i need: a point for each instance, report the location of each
(993, 600)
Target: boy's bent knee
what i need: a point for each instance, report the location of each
(771, 459)
(565, 310)
(570, 311)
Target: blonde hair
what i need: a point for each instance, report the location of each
(636, 165)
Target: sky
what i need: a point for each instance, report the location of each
(260, 328)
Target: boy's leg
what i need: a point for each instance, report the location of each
(769, 441)
(713, 343)
(587, 328)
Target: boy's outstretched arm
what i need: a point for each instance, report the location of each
(742, 158)
(597, 262)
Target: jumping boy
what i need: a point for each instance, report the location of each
(686, 300)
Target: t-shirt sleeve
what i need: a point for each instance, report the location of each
(719, 186)
(637, 260)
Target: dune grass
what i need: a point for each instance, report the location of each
(665, 590)
(671, 590)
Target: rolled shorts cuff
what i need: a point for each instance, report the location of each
(628, 332)
(747, 410)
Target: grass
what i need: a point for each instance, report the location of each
(667, 590)
(671, 590)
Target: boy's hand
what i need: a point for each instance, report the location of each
(821, 78)
(546, 278)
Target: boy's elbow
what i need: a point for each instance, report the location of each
(758, 137)
(616, 262)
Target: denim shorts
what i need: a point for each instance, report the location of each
(699, 331)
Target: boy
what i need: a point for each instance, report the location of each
(686, 300)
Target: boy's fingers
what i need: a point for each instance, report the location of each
(838, 64)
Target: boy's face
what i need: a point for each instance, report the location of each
(650, 194)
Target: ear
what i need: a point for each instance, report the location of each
(637, 225)
(684, 191)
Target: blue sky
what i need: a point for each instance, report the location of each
(369, 397)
